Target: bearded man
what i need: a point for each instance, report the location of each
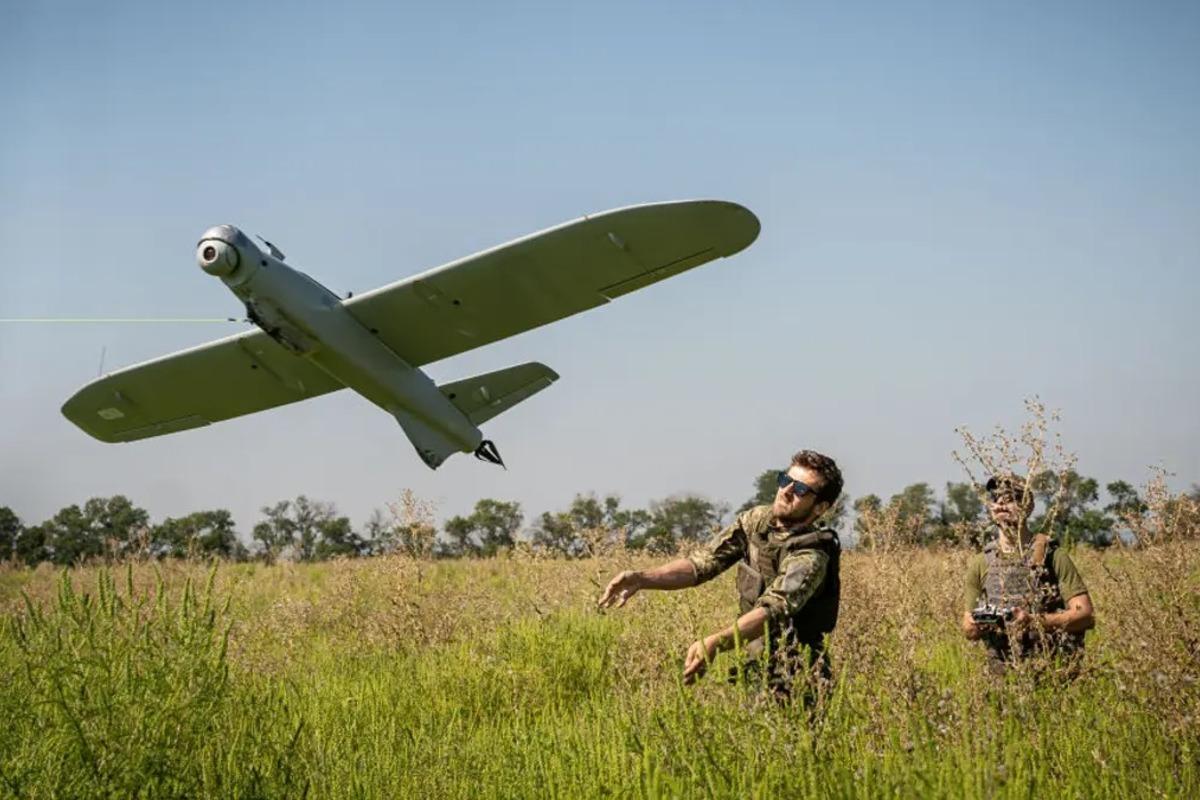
(788, 578)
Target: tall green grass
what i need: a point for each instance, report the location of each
(497, 678)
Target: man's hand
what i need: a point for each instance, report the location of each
(1021, 621)
(970, 628)
(624, 586)
(698, 656)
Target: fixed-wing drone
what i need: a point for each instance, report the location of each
(311, 342)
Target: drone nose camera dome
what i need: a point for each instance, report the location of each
(217, 257)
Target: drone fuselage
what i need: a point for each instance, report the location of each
(309, 320)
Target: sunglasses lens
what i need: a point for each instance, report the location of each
(799, 488)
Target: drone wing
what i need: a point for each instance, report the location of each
(227, 378)
(549, 275)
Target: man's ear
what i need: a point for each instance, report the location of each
(820, 508)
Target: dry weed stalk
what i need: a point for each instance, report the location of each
(1167, 517)
(1034, 450)
(412, 529)
(889, 528)
(601, 542)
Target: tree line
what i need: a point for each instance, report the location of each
(309, 530)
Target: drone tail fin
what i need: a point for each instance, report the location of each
(479, 399)
(484, 396)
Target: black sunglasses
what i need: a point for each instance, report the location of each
(799, 488)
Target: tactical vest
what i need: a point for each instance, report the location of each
(1029, 583)
(760, 567)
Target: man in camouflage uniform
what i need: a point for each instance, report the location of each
(1023, 593)
(787, 579)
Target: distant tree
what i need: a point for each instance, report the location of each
(866, 509)
(1125, 499)
(30, 547)
(1065, 500)
(112, 526)
(962, 503)
(307, 516)
(378, 535)
(123, 527)
(907, 518)
(201, 533)
(675, 520)
(493, 525)
(275, 533)
(336, 538)
(916, 502)
(305, 530)
(556, 533)
(960, 517)
(10, 531)
(1126, 507)
(587, 522)
(631, 523)
(69, 537)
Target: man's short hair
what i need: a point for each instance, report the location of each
(827, 468)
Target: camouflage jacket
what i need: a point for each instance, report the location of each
(792, 573)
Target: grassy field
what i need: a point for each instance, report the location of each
(393, 677)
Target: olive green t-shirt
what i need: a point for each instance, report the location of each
(1070, 582)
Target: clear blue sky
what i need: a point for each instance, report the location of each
(962, 204)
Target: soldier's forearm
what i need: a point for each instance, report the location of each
(1072, 621)
(749, 627)
(1077, 617)
(677, 574)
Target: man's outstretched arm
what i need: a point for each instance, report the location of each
(706, 563)
(677, 574)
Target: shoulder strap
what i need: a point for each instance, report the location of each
(1048, 562)
(822, 538)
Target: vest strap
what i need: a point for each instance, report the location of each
(811, 539)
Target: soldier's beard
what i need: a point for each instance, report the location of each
(795, 518)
